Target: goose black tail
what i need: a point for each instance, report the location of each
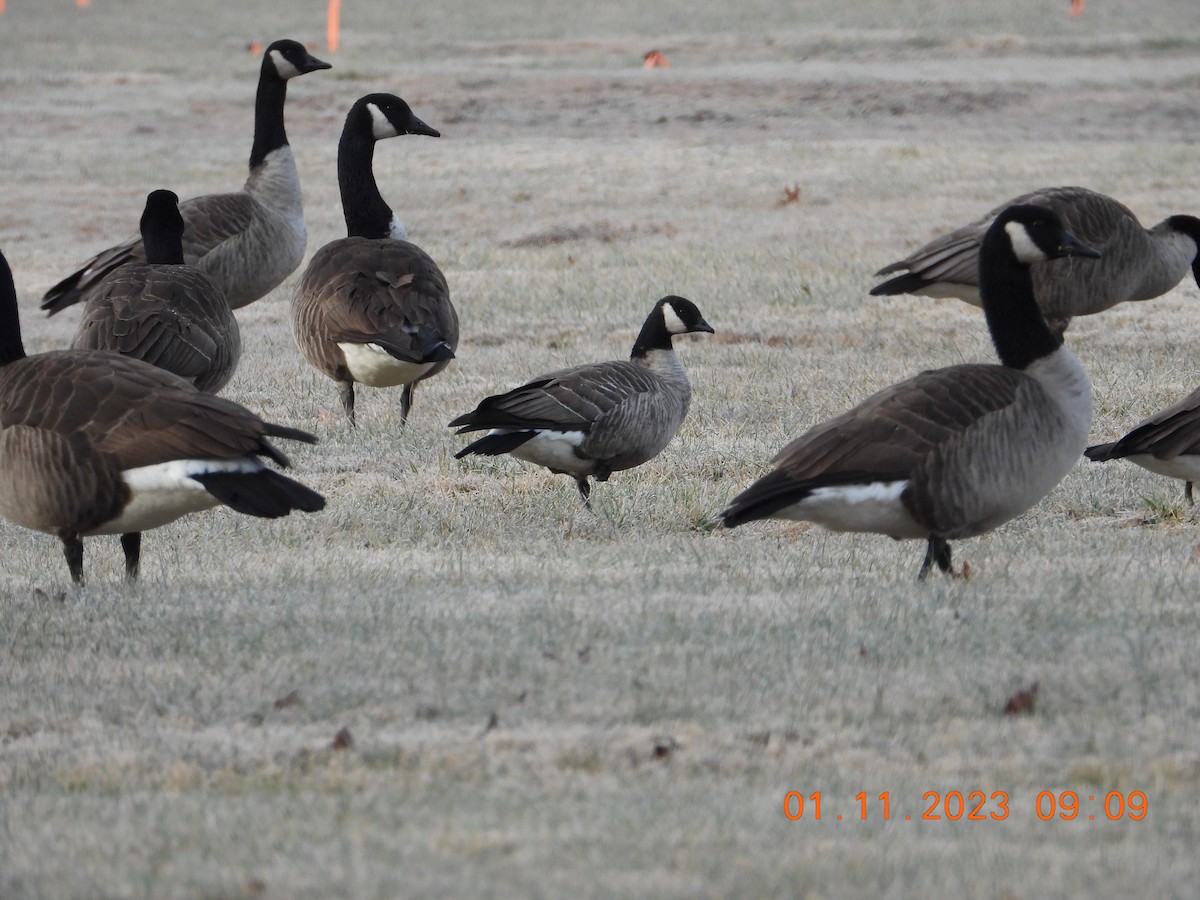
(496, 444)
(901, 284)
(265, 493)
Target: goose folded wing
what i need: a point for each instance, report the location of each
(139, 414)
(1165, 435)
(147, 322)
(211, 220)
(566, 400)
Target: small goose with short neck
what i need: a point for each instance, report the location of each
(1167, 443)
(96, 443)
(590, 421)
(954, 452)
(1136, 263)
(248, 241)
(164, 312)
(373, 308)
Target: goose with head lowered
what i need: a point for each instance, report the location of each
(96, 443)
(164, 312)
(590, 421)
(1167, 443)
(248, 241)
(373, 308)
(1136, 263)
(954, 452)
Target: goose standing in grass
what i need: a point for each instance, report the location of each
(163, 312)
(593, 420)
(373, 308)
(1136, 263)
(96, 443)
(1167, 443)
(953, 452)
(249, 241)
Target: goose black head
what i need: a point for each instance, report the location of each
(385, 116)
(680, 316)
(162, 228)
(291, 58)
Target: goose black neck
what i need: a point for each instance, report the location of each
(366, 212)
(653, 336)
(269, 133)
(164, 244)
(1019, 332)
(11, 348)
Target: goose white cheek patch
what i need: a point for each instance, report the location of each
(381, 126)
(285, 69)
(1027, 251)
(672, 321)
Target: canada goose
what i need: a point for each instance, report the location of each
(1137, 263)
(166, 313)
(953, 452)
(96, 443)
(1167, 443)
(372, 307)
(248, 242)
(596, 419)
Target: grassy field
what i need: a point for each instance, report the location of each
(545, 702)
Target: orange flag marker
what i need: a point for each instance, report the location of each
(333, 25)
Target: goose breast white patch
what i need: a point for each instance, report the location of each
(370, 364)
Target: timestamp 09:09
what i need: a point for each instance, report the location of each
(978, 806)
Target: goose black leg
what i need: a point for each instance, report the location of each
(346, 389)
(131, 543)
(1187, 492)
(73, 551)
(585, 491)
(406, 400)
(938, 551)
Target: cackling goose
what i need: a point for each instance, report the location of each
(953, 452)
(593, 420)
(1167, 443)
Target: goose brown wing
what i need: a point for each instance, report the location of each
(892, 432)
(378, 288)
(891, 436)
(173, 317)
(1165, 435)
(137, 413)
(573, 399)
